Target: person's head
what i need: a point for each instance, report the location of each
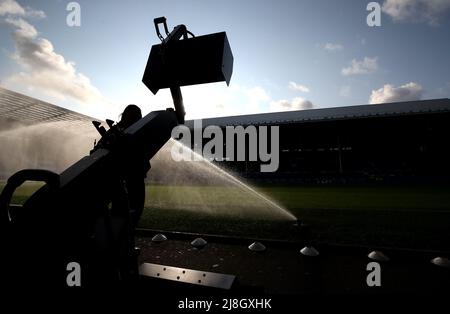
(130, 115)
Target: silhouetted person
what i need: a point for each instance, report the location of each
(136, 170)
(127, 198)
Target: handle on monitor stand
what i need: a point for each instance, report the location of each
(161, 20)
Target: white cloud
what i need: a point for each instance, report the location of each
(202, 101)
(365, 66)
(210, 100)
(333, 47)
(345, 91)
(23, 28)
(257, 95)
(298, 87)
(389, 93)
(417, 11)
(46, 70)
(215, 100)
(35, 13)
(298, 103)
(11, 7)
(257, 100)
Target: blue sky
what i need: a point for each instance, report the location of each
(288, 55)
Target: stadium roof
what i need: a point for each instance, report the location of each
(28, 110)
(336, 113)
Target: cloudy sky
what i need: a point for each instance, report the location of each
(288, 55)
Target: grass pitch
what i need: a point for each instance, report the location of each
(395, 216)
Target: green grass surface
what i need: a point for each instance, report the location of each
(23, 192)
(308, 197)
(362, 198)
(412, 217)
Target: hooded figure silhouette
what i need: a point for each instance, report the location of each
(137, 170)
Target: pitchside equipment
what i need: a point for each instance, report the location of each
(196, 60)
(81, 215)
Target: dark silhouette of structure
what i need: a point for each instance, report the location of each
(132, 181)
(400, 142)
(72, 217)
(82, 215)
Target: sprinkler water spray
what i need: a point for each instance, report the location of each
(72, 221)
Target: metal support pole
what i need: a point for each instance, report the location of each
(178, 103)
